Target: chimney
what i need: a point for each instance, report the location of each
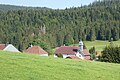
(31, 45)
(6, 43)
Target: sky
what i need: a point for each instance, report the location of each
(54, 4)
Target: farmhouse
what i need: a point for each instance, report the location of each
(8, 47)
(73, 52)
(36, 50)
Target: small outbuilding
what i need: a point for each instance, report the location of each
(36, 50)
(8, 47)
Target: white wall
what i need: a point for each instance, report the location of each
(55, 56)
(43, 54)
(11, 48)
(79, 55)
(67, 55)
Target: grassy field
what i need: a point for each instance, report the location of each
(98, 44)
(21, 66)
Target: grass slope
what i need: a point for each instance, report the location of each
(20, 66)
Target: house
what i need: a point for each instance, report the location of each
(8, 47)
(68, 51)
(36, 50)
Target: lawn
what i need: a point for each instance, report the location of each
(21, 66)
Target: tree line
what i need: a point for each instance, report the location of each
(97, 21)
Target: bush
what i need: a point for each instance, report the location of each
(111, 54)
(60, 55)
(92, 52)
(93, 56)
(44, 45)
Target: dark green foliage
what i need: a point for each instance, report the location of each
(84, 46)
(60, 55)
(111, 54)
(93, 53)
(93, 56)
(42, 44)
(68, 40)
(115, 32)
(92, 50)
(91, 36)
(100, 20)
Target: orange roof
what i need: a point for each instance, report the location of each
(2, 46)
(35, 50)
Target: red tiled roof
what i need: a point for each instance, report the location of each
(35, 50)
(86, 52)
(73, 57)
(87, 57)
(2, 46)
(70, 50)
(66, 50)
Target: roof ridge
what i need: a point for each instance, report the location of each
(38, 49)
(41, 49)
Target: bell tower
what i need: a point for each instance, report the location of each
(81, 45)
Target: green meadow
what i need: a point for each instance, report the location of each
(21, 66)
(99, 44)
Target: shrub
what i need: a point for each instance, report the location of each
(111, 54)
(60, 55)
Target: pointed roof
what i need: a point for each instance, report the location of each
(2, 46)
(35, 50)
(8, 47)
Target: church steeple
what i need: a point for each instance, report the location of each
(81, 45)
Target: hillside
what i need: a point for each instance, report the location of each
(19, 66)
(98, 21)
(5, 8)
